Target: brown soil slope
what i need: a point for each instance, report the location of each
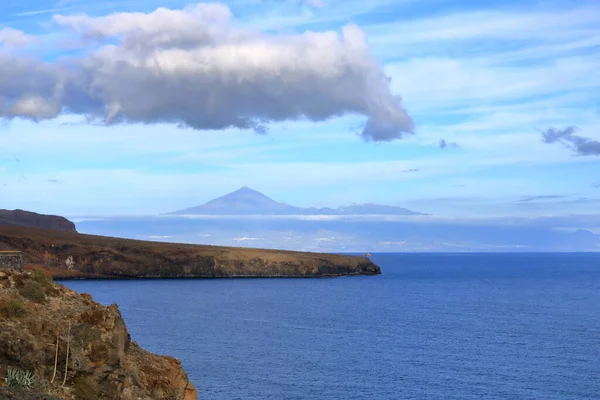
(77, 348)
(71, 255)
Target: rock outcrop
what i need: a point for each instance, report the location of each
(11, 260)
(71, 255)
(35, 220)
(77, 348)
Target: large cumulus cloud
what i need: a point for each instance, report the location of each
(197, 68)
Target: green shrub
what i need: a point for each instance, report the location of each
(42, 278)
(33, 291)
(17, 378)
(12, 308)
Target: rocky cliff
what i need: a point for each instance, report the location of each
(76, 348)
(72, 255)
(35, 220)
(11, 260)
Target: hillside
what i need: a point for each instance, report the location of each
(72, 255)
(35, 220)
(76, 348)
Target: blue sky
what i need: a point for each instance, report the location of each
(488, 77)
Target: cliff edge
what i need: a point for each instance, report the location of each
(71, 255)
(74, 348)
(35, 220)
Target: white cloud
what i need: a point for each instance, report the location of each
(199, 68)
(13, 38)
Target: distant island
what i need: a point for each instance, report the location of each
(66, 254)
(247, 201)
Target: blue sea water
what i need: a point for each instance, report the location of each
(433, 326)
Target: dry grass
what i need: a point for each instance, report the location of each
(12, 308)
(33, 291)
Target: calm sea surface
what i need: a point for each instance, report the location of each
(433, 326)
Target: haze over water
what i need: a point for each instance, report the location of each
(451, 326)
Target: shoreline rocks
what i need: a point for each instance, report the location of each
(77, 348)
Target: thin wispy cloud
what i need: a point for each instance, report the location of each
(316, 3)
(509, 24)
(63, 3)
(443, 144)
(39, 12)
(581, 200)
(540, 197)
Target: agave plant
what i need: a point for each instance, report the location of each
(18, 378)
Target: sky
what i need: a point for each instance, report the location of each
(454, 108)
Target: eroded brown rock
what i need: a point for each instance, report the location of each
(103, 362)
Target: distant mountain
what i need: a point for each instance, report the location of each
(246, 201)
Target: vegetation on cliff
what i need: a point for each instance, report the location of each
(56, 343)
(71, 255)
(35, 220)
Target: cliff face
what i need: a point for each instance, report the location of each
(11, 260)
(71, 255)
(77, 348)
(34, 220)
(19, 394)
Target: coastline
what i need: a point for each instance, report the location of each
(191, 278)
(71, 255)
(72, 347)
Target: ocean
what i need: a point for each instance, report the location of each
(433, 326)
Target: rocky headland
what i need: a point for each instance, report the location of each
(35, 220)
(58, 344)
(71, 255)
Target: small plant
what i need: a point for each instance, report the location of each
(12, 308)
(17, 378)
(33, 291)
(44, 384)
(42, 278)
